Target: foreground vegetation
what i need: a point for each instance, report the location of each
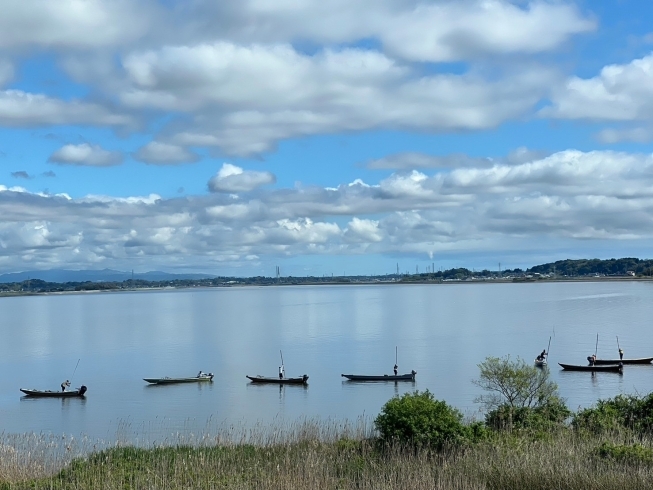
(529, 439)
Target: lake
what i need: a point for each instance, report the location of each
(442, 331)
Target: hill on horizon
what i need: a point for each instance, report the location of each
(99, 275)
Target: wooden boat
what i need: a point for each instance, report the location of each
(641, 360)
(166, 381)
(301, 380)
(55, 394)
(613, 368)
(386, 377)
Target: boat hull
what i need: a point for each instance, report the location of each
(278, 381)
(643, 360)
(168, 381)
(384, 377)
(55, 394)
(607, 369)
(540, 363)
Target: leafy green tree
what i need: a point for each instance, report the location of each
(419, 419)
(517, 391)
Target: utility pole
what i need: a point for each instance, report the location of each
(397, 268)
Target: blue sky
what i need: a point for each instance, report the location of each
(323, 136)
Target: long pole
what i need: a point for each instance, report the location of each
(548, 349)
(395, 355)
(284, 368)
(596, 350)
(618, 346)
(71, 378)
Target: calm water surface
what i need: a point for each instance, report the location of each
(441, 331)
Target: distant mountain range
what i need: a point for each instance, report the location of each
(108, 275)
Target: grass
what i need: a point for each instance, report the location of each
(322, 455)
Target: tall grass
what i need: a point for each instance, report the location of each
(320, 455)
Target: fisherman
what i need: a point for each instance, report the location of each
(199, 375)
(280, 372)
(592, 359)
(621, 354)
(395, 369)
(65, 385)
(542, 355)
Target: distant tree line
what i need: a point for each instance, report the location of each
(561, 268)
(588, 267)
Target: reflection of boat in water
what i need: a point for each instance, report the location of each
(641, 360)
(607, 369)
(166, 380)
(385, 377)
(79, 392)
(300, 380)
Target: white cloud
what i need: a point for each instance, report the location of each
(414, 30)
(158, 153)
(232, 179)
(617, 135)
(413, 160)
(618, 93)
(244, 99)
(72, 23)
(18, 108)
(568, 196)
(86, 154)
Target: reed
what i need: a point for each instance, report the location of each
(321, 455)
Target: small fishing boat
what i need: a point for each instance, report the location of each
(79, 392)
(641, 360)
(613, 368)
(300, 380)
(385, 377)
(540, 362)
(166, 381)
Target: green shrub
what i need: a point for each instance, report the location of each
(621, 412)
(626, 453)
(420, 420)
(549, 416)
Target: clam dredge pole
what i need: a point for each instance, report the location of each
(548, 349)
(71, 378)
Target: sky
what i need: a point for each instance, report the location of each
(323, 136)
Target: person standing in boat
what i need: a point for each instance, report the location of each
(542, 355)
(65, 385)
(395, 369)
(621, 354)
(592, 359)
(281, 372)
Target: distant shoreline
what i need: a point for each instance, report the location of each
(10, 294)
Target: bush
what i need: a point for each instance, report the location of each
(626, 453)
(621, 412)
(546, 417)
(417, 419)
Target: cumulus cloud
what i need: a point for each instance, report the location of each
(87, 155)
(561, 198)
(617, 135)
(20, 109)
(414, 30)
(244, 99)
(157, 153)
(413, 160)
(231, 178)
(619, 93)
(78, 24)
